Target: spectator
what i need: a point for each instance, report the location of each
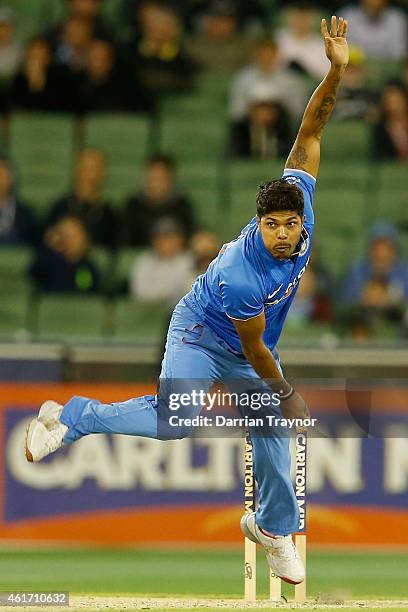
(252, 16)
(312, 303)
(105, 86)
(17, 222)
(61, 264)
(86, 200)
(265, 72)
(379, 30)
(87, 11)
(220, 47)
(40, 86)
(161, 272)
(11, 53)
(159, 198)
(355, 100)
(158, 58)
(404, 77)
(391, 130)
(381, 278)
(299, 45)
(265, 132)
(72, 48)
(205, 247)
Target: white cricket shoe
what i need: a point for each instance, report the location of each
(45, 433)
(281, 553)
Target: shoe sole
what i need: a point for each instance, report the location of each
(29, 433)
(246, 531)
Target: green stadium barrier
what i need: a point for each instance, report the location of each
(126, 140)
(42, 146)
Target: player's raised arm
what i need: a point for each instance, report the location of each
(305, 153)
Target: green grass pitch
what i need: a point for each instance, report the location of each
(202, 574)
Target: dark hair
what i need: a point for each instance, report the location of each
(279, 196)
(162, 158)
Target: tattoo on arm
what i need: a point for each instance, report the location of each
(325, 108)
(297, 158)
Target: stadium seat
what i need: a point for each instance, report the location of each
(140, 322)
(340, 203)
(193, 135)
(14, 263)
(125, 140)
(336, 248)
(70, 317)
(14, 289)
(14, 314)
(388, 193)
(380, 72)
(201, 181)
(124, 263)
(105, 261)
(297, 333)
(210, 96)
(35, 17)
(211, 86)
(243, 179)
(42, 147)
(111, 13)
(346, 140)
(337, 176)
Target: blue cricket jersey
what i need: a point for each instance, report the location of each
(245, 279)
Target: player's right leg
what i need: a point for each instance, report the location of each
(189, 362)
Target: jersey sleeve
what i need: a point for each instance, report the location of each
(240, 299)
(307, 184)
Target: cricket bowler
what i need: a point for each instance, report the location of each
(228, 326)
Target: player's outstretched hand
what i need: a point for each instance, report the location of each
(336, 41)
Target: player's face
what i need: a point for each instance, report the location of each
(281, 232)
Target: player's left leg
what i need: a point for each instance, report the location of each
(189, 362)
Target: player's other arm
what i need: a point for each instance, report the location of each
(260, 357)
(305, 153)
(255, 350)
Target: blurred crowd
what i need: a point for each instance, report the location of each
(272, 60)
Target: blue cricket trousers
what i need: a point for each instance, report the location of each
(194, 352)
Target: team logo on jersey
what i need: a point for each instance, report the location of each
(292, 180)
(272, 295)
